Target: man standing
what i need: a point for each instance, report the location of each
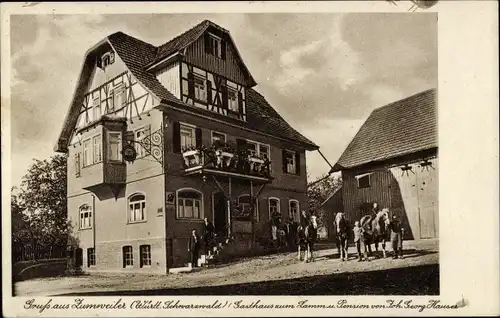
(396, 236)
(208, 235)
(194, 248)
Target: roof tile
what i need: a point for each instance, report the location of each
(403, 127)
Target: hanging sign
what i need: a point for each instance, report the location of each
(129, 153)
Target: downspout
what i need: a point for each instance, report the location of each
(93, 222)
(164, 127)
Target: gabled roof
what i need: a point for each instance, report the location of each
(400, 128)
(136, 54)
(181, 41)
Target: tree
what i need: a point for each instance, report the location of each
(39, 210)
(319, 191)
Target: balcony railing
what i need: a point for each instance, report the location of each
(225, 159)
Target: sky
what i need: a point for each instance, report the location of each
(324, 73)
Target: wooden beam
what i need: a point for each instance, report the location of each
(260, 189)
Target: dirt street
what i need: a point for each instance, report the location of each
(417, 273)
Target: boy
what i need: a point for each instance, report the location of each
(359, 241)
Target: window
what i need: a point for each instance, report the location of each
(90, 257)
(232, 98)
(118, 100)
(145, 252)
(77, 165)
(290, 162)
(85, 217)
(215, 45)
(200, 91)
(87, 153)
(253, 148)
(96, 141)
(107, 59)
(189, 204)
(137, 208)
(264, 151)
(140, 145)
(218, 137)
(274, 206)
(114, 146)
(128, 257)
(364, 180)
(97, 110)
(293, 210)
(258, 149)
(188, 137)
(244, 205)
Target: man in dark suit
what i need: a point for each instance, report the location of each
(194, 248)
(208, 235)
(397, 232)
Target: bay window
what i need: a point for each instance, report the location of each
(114, 146)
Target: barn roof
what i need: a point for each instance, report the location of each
(400, 128)
(137, 54)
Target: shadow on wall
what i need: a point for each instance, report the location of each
(397, 281)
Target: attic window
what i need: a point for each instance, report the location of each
(106, 59)
(364, 180)
(214, 43)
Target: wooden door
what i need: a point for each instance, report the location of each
(220, 212)
(427, 199)
(79, 257)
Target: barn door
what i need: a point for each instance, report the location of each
(427, 199)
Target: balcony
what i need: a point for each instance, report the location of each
(226, 161)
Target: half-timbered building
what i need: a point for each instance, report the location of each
(393, 160)
(160, 137)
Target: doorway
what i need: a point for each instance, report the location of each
(220, 212)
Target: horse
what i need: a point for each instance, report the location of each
(376, 229)
(306, 237)
(342, 234)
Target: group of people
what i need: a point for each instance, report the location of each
(284, 234)
(206, 241)
(396, 236)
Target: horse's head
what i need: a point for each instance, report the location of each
(384, 216)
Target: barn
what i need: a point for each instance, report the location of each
(393, 160)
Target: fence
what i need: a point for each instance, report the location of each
(22, 252)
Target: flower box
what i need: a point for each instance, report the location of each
(224, 153)
(192, 157)
(256, 160)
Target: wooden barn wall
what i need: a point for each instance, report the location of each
(229, 68)
(413, 196)
(354, 197)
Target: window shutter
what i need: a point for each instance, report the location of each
(191, 85)
(240, 102)
(208, 44)
(123, 256)
(224, 96)
(283, 154)
(177, 137)
(198, 137)
(77, 164)
(297, 163)
(209, 92)
(223, 44)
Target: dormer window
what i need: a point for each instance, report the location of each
(106, 59)
(215, 45)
